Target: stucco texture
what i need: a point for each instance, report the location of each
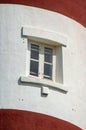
(75, 9)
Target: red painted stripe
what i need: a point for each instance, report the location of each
(25, 120)
(75, 9)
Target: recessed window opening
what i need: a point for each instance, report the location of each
(42, 60)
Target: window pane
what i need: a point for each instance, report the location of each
(48, 55)
(47, 71)
(34, 51)
(34, 68)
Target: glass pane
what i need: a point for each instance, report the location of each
(47, 71)
(34, 51)
(34, 68)
(48, 55)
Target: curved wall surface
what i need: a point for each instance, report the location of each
(19, 120)
(74, 9)
(20, 98)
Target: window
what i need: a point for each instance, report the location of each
(34, 60)
(42, 60)
(48, 54)
(44, 66)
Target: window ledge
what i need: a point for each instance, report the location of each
(44, 82)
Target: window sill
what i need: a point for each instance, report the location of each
(44, 82)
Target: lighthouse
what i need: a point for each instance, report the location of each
(42, 65)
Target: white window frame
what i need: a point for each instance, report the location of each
(51, 38)
(41, 59)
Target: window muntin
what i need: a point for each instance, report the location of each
(42, 60)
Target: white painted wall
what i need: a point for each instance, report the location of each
(13, 53)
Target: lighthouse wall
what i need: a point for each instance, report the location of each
(22, 95)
